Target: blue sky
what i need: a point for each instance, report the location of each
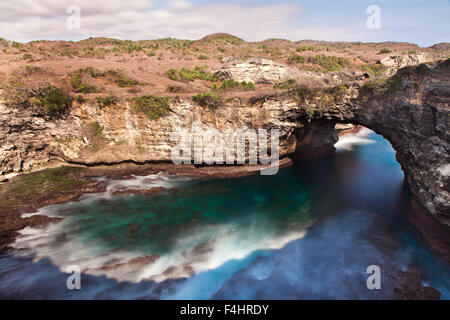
(421, 22)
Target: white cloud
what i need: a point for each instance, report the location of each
(18, 10)
(180, 5)
(24, 20)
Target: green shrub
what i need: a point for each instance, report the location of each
(153, 107)
(297, 59)
(174, 89)
(374, 69)
(81, 81)
(230, 84)
(384, 51)
(202, 57)
(330, 63)
(383, 85)
(131, 46)
(207, 100)
(69, 52)
(121, 79)
(185, 75)
(306, 48)
(23, 85)
(53, 99)
(335, 94)
(323, 97)
(27, 56)
(107, 101)
(80, 99)
(31, 87)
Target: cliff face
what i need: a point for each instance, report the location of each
(414, 118)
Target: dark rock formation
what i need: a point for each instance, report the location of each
(416, 120)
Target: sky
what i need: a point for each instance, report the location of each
(422, 22)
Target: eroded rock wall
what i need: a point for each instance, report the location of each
(416, 120)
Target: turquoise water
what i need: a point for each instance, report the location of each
(309, 232)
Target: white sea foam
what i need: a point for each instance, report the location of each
(137, 183)
(146, 182)
(205, 249)
(348, 141)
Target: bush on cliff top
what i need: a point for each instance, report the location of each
(208, 100)
(81, 80)
(107, 101)
(374, 69)
(381, 86)
(153, 107)
(31, 87)
(384, 51)
(330, 63)
(297, 59)
(185, 75)
(122, 79)
(230, 84)
(323, 96)
(131, 46)
(53, 99)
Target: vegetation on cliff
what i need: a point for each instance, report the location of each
(31, 87)
(381, 85)
(230, 84)
(208, 100)
(52, 99)
(329, 63)
(107, 101)
(122, 79)
(81, 80)
(152, 106)
(374, 69)
(185, 74)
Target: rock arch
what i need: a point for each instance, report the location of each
(415, 119)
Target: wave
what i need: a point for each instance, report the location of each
(207, 249)
(348, 141)
(136, 183)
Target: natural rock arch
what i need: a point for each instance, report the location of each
(415, 119)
